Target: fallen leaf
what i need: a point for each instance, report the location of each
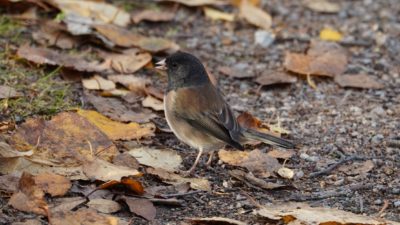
(234, 72)
(249, 178)
(218, 15)
(82, 216)
(328, 34)
(53, 184)
(128, 182)
(9, 183)
(285, 173)
(127, 160)
(275, 77)
(175, 179)
(255, 161)
(248, 121)
(281, 154)
(153, 16)
(98, 83)
(323, 6)
(8, 92)
(30, 197)
(214, 220)
(28, 222)
(104, 205)
(166, 159)
(52, 33)
(298, 213)
(151, 102)
(132, 82)
(129, 62)
(255, 15)
(357, 168)
(141, 207)
(116, 130)
(199, 2)
(358, 81)
(65, 140)
(6, 151)
(115, 109)
(237, 2)
(65, 204)
(323, 58)
(99, 169)
(54, 58)
(100, 12)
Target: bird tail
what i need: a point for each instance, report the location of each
(268, 139)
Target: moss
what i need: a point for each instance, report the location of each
(9, 28)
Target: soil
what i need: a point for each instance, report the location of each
(329, 123)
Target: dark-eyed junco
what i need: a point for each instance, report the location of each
(197, 112)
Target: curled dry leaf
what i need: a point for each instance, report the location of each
(255, 161)
(151, 102)
(116, 130)
(100, 12)
(132, 82)
(99, 169)
(323, 58)
(82, 216)
(285, 173)
(199, 2)
(275, 77)
(298, 213)
(129, 62)
(104, 205)
(175, 179)
(8, 92)
(358, 81)
(30, 197)
(54, 58)
(141, 207)
(255, 15)
(6, 151)
(98, 83)
(323, 6)
(214, 220)
(218, 15)
(153, 16)
(53, 184)
(63, 141)
(128, 182)
(166, 159)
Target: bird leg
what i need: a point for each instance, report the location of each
(210, 158)
(190, 171)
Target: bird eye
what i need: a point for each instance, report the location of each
(174, 65)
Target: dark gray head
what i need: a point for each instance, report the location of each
(183, 70)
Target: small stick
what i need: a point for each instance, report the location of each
(384, 207)
(181, 194)
(333, 166)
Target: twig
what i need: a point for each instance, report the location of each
(252, 200)
(384, 207)
(333, 166)
(181, 194)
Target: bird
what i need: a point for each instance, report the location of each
(197, 112)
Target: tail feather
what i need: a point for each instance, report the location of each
(268, 139)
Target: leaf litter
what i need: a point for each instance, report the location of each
(166, 159)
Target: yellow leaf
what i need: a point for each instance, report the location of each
(328, 34)
(116, 130)
(218, 15)
(255, 15)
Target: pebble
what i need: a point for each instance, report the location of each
(300, 174)
(397, 204)
(378, 111)
(264, 38)
(396, 191)
(378, 202)
(377, 139)
(307, 157)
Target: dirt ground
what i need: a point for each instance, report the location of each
(330, 123)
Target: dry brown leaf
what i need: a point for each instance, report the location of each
(51, 57)
(127, 160)
(53, 184)
(6, 151)
(116, 130)
(255, 161)
(115, 109)
(30, 197)
(8, 92)
(214, 220)
(249, 178)
(129, 62)
(28, 222)
(298, 213)
(175, 179)
(232, 72)
(65, 204)
(132, 82)
(141, 207)
(323, 6)
(275, 77)
(255, 15)
(82, 217)
(152, 15)
(358, 81)
(99, 169)
(52, 33)
(129, 182)
(9, 182)
(237, 2)
(166, 159)
(357, 168)
(65, 140)
(218, 15)
(104, 205)
(100, 12)
(98, 83)
(323, 58)
(281, 154)
(151, 102)
(199, 2)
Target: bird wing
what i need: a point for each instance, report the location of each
(211, 116)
